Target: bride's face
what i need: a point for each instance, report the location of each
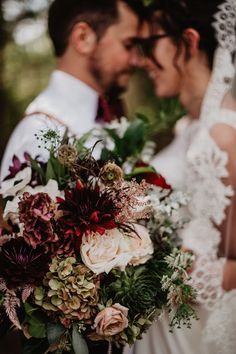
(166, 66)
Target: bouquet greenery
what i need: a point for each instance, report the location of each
(88, 251)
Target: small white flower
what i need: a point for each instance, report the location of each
(120, 126)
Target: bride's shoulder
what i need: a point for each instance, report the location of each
(224, 134)
(223, 131)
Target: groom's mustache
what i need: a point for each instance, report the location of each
(129, 71)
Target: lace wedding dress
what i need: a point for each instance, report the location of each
(196, 164)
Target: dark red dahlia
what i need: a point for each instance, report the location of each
(85, 210)
(21, 264)
(36, 212)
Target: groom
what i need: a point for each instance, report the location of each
(95, 55)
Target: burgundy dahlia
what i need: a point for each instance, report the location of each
(36, 212)
(85, 210)
(22, 265)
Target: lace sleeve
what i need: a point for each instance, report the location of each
(210, 196)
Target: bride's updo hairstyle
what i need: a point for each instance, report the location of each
(175, 16)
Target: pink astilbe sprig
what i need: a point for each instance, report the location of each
(26, 292)
(10, 304)
(3, 286)
(131, 200)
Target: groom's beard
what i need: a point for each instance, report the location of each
(111, 83)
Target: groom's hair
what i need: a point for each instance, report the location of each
(99, 14)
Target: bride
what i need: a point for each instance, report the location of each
(190, 55)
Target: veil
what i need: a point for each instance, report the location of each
(221, 93)
(223, 78)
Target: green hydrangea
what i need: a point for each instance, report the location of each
(70, 290)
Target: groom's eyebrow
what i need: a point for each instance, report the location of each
(129, 43)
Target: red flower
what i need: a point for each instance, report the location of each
(152, 177)
(85, 210)
(36, 212)
(22, 265)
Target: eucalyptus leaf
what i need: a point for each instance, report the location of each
(54, 332)
(78, 342)
(37, 328)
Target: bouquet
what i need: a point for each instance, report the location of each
(87, 252)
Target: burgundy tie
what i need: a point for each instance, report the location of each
(109, 110)
(104, 114)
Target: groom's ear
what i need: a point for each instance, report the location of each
(192, 39)
(83, 39)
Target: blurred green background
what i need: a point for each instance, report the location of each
(26, 61)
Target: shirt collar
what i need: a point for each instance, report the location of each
(77, 93)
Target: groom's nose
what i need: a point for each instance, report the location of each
(135, 58)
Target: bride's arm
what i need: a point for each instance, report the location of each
(225, 137)
(229, 276)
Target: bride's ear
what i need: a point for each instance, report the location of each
(192, 39)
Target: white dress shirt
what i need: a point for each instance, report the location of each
(70, 101)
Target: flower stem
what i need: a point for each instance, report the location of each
(109, 351)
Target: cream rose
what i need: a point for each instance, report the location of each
(140, 245)
(111, 320)
(103, 253)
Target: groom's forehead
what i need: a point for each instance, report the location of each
(127, 26)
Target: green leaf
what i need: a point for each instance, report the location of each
(134, 138)
(54, 332)
(142, 117)
(78, 342)
(29, 309)
(65, 137)
(37, 327)
(50, 174)
(80, 142)
(35, 346)
(107, 155)
(1, 298)
(36, 167)
(140, 170)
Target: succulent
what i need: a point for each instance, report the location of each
(70, 290)
(137, 288)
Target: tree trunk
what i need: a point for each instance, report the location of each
(3, 92)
